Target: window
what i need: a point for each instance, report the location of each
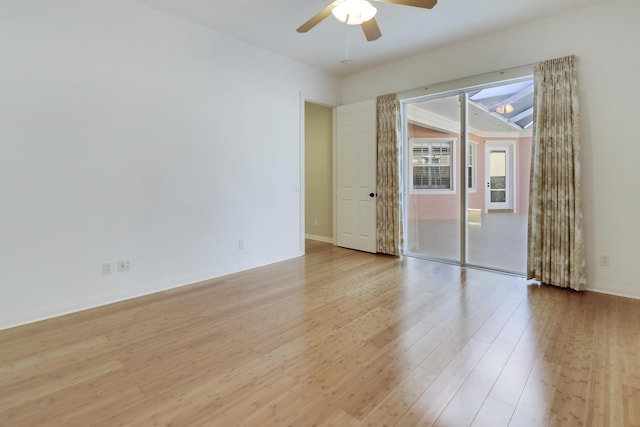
(432, 164)
(471, 166)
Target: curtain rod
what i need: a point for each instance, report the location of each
(466, 83)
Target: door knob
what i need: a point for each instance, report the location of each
(372, 194)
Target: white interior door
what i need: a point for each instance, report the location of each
(500, 176)
(356, 176)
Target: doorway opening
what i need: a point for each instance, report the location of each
(318, 172)
(467, 156)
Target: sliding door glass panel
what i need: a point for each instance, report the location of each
(500, 119)
(431, 188)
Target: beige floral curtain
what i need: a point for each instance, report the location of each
(389, 203)
(556, 243)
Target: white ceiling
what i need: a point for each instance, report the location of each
(405, 30)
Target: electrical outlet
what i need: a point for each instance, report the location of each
(106, 268)
(241, 244)
(315, 221)
(604, 260)
(124, 265)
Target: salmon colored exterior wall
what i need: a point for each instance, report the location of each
(447, 206)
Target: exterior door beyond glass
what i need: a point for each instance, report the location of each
(499, 182)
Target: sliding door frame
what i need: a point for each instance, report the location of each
(460, 88)
(464, 178)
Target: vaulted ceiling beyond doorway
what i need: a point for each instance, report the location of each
(492, 110)
(512, 103)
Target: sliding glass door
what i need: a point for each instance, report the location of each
(467, 160)
(432, 197)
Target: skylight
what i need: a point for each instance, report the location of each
(511, 102)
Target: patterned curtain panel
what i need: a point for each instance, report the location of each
(389, 202)
(556, 243)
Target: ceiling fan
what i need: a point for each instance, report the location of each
(359, 12)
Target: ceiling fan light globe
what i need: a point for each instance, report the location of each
(354, 12)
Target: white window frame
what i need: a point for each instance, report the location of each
(473, 151)
(416, 141)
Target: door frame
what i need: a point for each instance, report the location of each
(301, 187)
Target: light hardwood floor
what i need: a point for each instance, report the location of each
(337, 338)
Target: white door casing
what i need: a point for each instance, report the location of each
(356, 176)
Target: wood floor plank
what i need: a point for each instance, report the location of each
(533, 341)
(493, 413)
(400, 399)
(334, 338)
(426, 410)
(37, 387)
(469, 399)
(538, 395)
(303, 405)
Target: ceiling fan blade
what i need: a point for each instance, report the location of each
(316, 19)
(427, 4)
(371, 29)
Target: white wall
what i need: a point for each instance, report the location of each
(126, 133)
(605, 40)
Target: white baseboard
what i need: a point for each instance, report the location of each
(615, 291)
(78, 305)
(96, 301)
(319, 238)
